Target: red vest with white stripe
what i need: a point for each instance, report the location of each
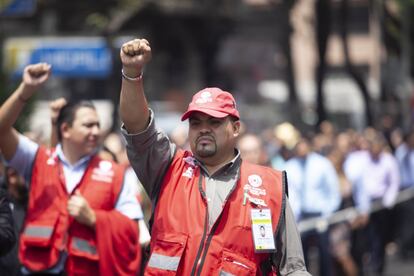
(49, 230)
(181, 241)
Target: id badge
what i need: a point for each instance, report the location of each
(262, 230)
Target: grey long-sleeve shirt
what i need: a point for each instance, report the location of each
(150, 153)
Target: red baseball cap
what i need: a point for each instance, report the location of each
(214, 102)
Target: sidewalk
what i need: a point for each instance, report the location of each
(396, 266)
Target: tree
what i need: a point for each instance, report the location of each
(323, 29)
(350, 68)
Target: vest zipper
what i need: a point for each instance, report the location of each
(205, 243)
(201, 247)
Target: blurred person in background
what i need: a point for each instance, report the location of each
(16, 189)
(112, 149)
(207, 203)
(405, 211)
(314, 193)
(374, 171)
(179, 136)
(252, 149)
(7, 232)
(346, 142)
(112, 141)
(324, 140)
(341, 233)
(286, 137)
(343, 142)
(81, 215)
(387, 127)
(328, 129)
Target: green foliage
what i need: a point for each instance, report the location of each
(405, 3)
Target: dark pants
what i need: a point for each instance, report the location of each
(379, 231)
(359, 248)
(405, 227)
(312, 239)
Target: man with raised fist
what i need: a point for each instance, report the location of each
(209, 204)
(81, 217)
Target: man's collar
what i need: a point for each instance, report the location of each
(80, 162)
(234, 163)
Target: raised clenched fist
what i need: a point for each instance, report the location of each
(134, 55)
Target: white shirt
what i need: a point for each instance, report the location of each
(380, 179)
(23, 159)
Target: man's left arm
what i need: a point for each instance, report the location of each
(288, 258)
(78, 207)
(117, 236)
(127, 204)
(117, 233)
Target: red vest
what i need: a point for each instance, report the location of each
(182, 244)
(49, 230)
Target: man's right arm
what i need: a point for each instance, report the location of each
(150, 153)
(289, 259)
(134, 111)
(149, 150)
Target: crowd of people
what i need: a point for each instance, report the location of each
(331, 170)
(217, 200)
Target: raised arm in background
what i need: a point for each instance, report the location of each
(34, 76)
(55, 106)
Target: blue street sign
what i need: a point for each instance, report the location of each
(17, 7)
(75, 61)
(70, 57)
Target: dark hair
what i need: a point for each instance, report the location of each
(67, 114)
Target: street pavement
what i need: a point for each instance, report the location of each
(396, 266)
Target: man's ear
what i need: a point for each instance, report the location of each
(64, 130)
(236, 128)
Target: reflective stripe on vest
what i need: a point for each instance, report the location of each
(164, 262)
(83, 245)
(38, 231)
(224, 273)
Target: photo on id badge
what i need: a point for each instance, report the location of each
(262, 231)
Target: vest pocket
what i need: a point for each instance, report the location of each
(83, 257)
(166, 254)
(234, 264)
(38, 235)
(83, 248)
(39, 246)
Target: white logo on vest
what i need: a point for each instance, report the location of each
(252, 189)
(104, 172)
(52, 157)
(255, 180)
(189, 172)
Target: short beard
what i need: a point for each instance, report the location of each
(206, 151)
